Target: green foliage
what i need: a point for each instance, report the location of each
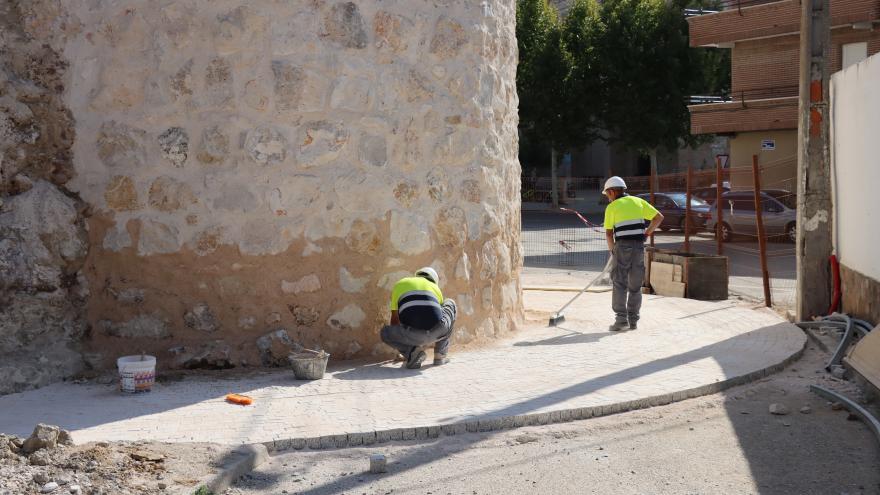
(551, 95)
(714, 64)
(620, 65)
(648, 70)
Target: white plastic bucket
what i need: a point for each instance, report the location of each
(136, 373)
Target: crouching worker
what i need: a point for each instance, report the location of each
(420, 317)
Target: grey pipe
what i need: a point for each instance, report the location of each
(851, 406)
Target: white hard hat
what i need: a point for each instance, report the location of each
(428, 273)
(614, 182)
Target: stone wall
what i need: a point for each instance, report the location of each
(860, 294)
(256, 166)
(42, 232)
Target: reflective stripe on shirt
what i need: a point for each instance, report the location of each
(628, 217)
(629, 229)
(418, 302)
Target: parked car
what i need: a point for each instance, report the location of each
(778, 208)
(708, 194)
(672, 206)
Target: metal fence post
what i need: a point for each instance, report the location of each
(762, 239)
(651, 188)
(554, 193)
(687, 210)
(719, 211)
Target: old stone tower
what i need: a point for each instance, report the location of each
(187, 177)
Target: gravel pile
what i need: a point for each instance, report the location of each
(48, 462)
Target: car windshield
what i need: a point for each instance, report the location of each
(681, 199)
(785, 197)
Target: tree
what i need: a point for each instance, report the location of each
(581, 29)
(624, 66)
(714, 65)
(553, 109)
(648, 71)
(543, 68)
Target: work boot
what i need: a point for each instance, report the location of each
(415, 360)
(440, 359)
(618, 326)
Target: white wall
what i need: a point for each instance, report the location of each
(855, 99)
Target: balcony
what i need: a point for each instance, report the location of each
(750, 19)
(751, 110)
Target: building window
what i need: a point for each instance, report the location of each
(854, 53)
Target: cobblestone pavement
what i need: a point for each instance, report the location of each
(683, 348)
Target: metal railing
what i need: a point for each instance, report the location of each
(558, 242)
(745, 95)
(562, 239)
(540, 189)
(722, 5)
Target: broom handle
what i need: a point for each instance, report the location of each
(604, 272)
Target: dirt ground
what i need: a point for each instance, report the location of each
(724, 443)
(108, 468)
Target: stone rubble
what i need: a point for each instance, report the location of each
(275, 347)
(101, 468)
(779, 409)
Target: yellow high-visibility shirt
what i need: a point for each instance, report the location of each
(417, 301)
(628, 217)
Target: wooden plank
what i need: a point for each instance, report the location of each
(865, 357)
(661, 280)
(705, 277)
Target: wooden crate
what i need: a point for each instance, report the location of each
(704, 275)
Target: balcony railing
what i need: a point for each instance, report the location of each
(747, 95)
(716, 7)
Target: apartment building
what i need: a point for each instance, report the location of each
(761, 114)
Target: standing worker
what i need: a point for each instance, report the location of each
(420, 317)
(628, 222)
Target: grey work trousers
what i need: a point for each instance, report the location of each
(407, 339)
(627, 277)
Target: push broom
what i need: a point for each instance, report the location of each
(558, 317)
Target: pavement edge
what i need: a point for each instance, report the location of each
(508, 422)
(236, 463)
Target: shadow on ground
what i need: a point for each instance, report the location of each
(724, 353)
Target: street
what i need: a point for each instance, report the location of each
(559, 250)
(723, 443)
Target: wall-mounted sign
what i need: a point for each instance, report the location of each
(768, 144)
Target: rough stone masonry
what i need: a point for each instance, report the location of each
(214, 182)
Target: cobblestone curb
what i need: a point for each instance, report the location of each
(517, 421)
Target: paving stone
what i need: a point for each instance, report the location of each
(340, 440)
(377, 463)
(612, 375)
